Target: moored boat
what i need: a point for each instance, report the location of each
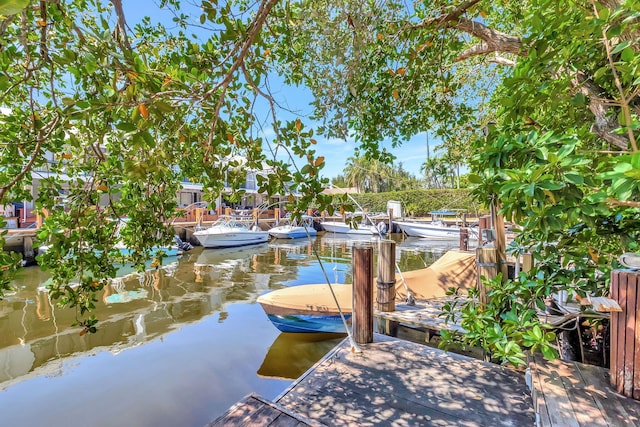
(228, 232)
(313, 307)
(428, 229)
(437, 228)
(294, 229)
(308, 308)
(346, 228)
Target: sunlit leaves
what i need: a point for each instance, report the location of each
(126, 123)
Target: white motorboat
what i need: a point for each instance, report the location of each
(228, 232)
(437, 228)
(294, 229)
(434, 230)
(347, 228)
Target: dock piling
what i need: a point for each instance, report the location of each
(362, 265)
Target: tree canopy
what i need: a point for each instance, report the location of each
(540, 96)
(553, 86)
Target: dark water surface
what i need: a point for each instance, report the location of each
(175, 346)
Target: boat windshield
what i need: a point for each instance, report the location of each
(231, 222)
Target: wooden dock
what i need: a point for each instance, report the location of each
(394, 382)
(572, 394)
(398, 383)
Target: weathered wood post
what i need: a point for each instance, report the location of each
(464, 239)
(624, 371)
(390, 211)
(487, 261)
(385, 297)
(362, 265)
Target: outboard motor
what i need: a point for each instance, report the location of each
(382, 227)
(183, 246)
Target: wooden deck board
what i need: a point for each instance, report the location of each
(254, 410)
(394, 382)
(424, 314)
(575, 394)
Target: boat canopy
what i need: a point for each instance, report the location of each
(443, 212)
(455, 269)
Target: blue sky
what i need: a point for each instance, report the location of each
(411, 154)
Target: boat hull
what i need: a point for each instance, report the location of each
(417, 229)
(231, 239)
(287, 232)
(343, 228)
(317, 307)
(229, 232)
(310, 324)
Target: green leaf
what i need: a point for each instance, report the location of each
(578, 99)
(574, 178)
(537, 333)
(628, 54)
(548, 352)
(620, 46)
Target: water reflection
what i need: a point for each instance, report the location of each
(191, 323)
(292, 354)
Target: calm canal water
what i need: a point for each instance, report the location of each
(176, 346)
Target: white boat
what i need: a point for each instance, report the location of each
(228, 232)
(346, 228)
(437, 228)
(432, 230)
(294, 229)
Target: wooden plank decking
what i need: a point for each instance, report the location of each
(424, 314)
(572, 394)
(394, 383)
(255, 410)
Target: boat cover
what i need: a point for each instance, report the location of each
(454, 269)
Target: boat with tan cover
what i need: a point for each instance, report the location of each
(313, 308)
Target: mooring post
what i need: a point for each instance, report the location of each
(385, 296)
(464, 239)
(487, 262)
(362, 266)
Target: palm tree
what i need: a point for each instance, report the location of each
(355, 174)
